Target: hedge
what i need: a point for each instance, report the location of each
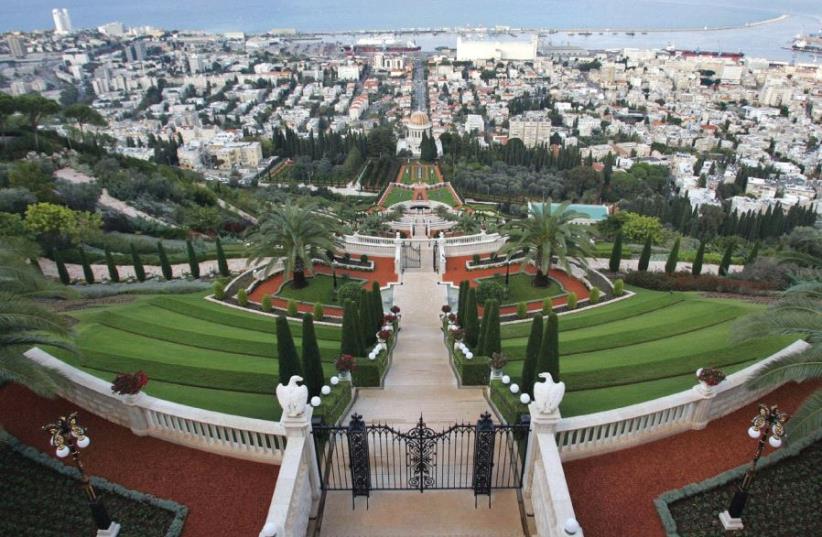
(684, 281)
(507, 403)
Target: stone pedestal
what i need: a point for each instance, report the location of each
(112, 531)
(730, 523)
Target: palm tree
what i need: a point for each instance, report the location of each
(547, 233)
(467, 224)
(296, 235)
(799, 311)
(23, 322)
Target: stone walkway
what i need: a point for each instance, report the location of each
(421, 381)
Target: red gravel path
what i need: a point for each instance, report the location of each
(226, 497)
(455, 272)
(613, 494)
(383, 273)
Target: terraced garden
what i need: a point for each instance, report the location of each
(196, 352)
(443, 195)
(642, 348)
(419, 173)
(397, 195)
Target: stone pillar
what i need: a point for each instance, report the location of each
(701, 416)
(398, 253)
(299, 427)
(136, 414)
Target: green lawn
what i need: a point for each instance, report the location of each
(520, 288)
(442, 195)
(195, 352)
(643, 347)
(320, 289)
(397, 195)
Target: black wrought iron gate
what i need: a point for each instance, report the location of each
(362, 457)
(411, 255)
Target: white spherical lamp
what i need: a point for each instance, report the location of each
(571, 526)
(84, 441)
(506, 379)
(525, 399)
(334, 380)
(469, 355)
(325, 390)
(753, 432)
(63, 452)
(514, 388)
(775, 442)
(316, 401)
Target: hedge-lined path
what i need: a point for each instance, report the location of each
(420, 382)
(617, 490)
(226, 497)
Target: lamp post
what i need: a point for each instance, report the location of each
(68, 437)
(768, 426)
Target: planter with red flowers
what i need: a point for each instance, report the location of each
(129, 385)
(345, 364)
(708, 378)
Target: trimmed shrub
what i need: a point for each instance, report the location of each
(88, 274)
(367, 329)
(219, 290)
(471, 323)
(529, 368)
(165, 266)
(549, 348)
(753, 254)
(492, 342)
(265, 304)
(292, 308)
(594, 295)
(725, 264)
(522, 310)
(463, 296)
(619, 287)
(483, 327)
(62, 271)
(473, 372)
(312, 364)
(139, 270)
(547, 306)
(193, 263)
(286, 352)
(645, 256)
(475, 259)
(242, 297)
(349, 291)
(673, 257)
(571, 300)
(376, 305)
(491, 290)
(113, 273)
(350, 342)
(222, 263)
(364, 259)
(616, 254)
(319, 311)
(696, 268)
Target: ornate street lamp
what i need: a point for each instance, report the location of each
(767, 427)
(68, 437)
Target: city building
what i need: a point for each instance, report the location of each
(62, 21)
(16, 47)
(532, 127)
(416, 126)
(498, 47)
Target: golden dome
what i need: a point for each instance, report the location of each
(419, 119)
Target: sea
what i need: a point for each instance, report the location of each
(732, 25)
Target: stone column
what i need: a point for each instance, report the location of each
(135, 413)
(701, 416)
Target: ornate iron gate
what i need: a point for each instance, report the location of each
(411, 255)
(361, 458)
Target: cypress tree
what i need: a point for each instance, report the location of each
(139, 270)
(312, 361)
(645, 256)
(88, 274)
(113, 274)
(754, 253)
(289, 362)
(222, 264)
(529, 368)
(193, 263)
(549, 348)
(471, 325)
(376, 305)
(365, 315)
(62, 271)
(463, 296)
(349, 343)
(483, 331)
(673, 257)
(165, 266)
(616, 253)
(696, 269)
(492, 342)
(725, 264)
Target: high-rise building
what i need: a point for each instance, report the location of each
(532, 127)
(136, 52)
(16, 47)
(114, 29)
(62, 21)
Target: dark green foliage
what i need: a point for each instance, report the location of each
(463, 297)
(365, 317)
(471, 323)
(491, 289)
(113, 274)
(529, 368)
(549, 348)
(193, 263)
(472, 372)
(491, 339)
(376, 305)
(222, 263)
(242, 297)
(725, 264)
(65, 279)
(139, 271)
(165, 266)
(349, 291)
(483, 327)
(754, 253)
(312, 364)
(289, 362)
(219, 290)
(645, 256)
(88, 274)
(673, 257)
(696, 269)
(616, 254)
(350, 343)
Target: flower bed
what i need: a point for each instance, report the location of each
(682, 281)
(42, 496)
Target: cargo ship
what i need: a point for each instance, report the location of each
(808, 43)
(383, 44)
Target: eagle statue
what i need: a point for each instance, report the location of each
(548, 394)
(292, 397)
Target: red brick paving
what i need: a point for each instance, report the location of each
(613, 494)
(226, 497)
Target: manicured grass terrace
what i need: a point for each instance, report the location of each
(443, 195)
(521, 289)
(320, 289)
(642, 348)
(397, 195)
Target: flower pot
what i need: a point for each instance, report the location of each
(344, 375)
(496, 374)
